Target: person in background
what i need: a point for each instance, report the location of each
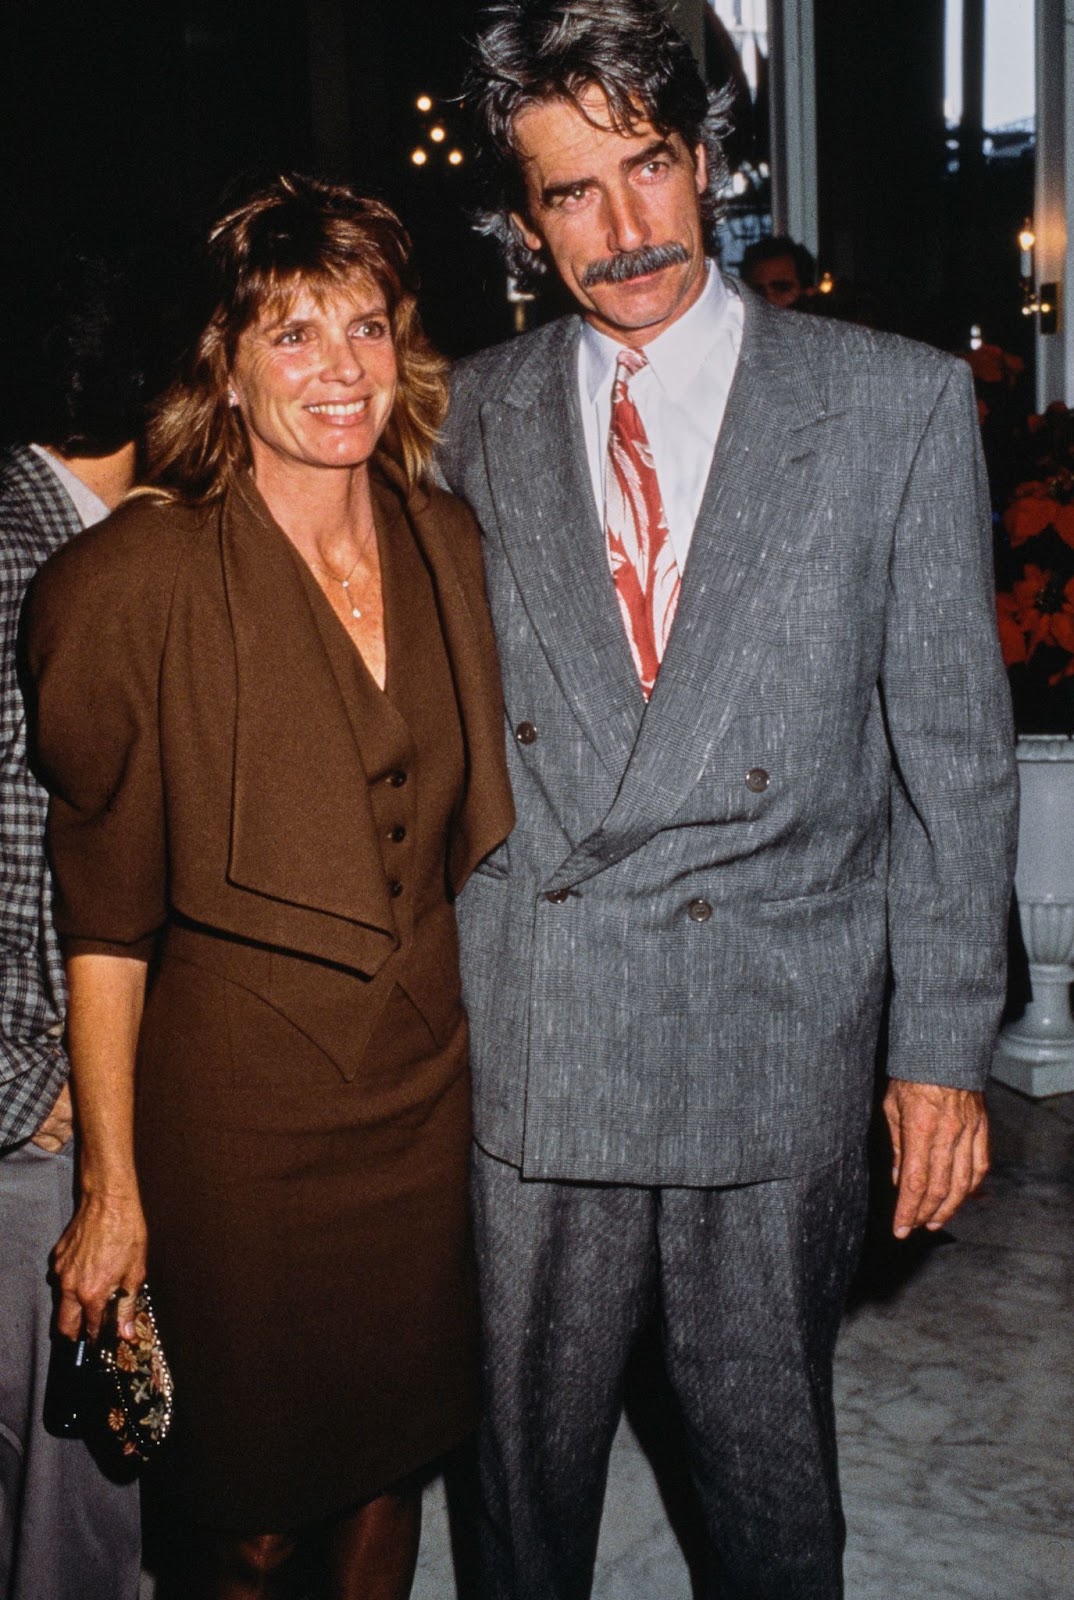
(67, 1532)
(782, 270)
(269, 714)
(759, 736)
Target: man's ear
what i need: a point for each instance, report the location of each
(701, 169)
(531, 240)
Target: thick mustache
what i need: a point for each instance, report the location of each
(634, 264)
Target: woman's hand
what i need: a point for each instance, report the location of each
(101, 1250)
(103, 1247)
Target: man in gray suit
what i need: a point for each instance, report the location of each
(739, 566)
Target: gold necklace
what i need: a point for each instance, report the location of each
(344, 583)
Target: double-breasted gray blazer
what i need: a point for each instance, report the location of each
(676, 966)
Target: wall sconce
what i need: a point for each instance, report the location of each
(1041, 301)
(826, 284)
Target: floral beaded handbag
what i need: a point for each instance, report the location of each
(135, 1379)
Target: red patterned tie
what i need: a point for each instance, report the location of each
(643, 563)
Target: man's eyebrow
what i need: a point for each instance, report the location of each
(556, 191)
(640, 158)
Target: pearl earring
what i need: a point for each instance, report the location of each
(232, 398)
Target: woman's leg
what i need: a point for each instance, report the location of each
(367, 1554)
(250, 1567)
(371, 1553)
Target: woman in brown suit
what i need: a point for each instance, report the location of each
(269, 716)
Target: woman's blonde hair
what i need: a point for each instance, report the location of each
(297, 232)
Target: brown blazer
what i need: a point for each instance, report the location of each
(195, 741)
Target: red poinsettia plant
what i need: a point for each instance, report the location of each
(1035, 578)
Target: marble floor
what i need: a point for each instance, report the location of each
(955, 1394)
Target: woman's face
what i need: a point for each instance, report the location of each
(316, 385)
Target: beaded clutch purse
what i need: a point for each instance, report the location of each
(136, 1380)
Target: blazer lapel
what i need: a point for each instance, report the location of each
(486, 814)
(551, 534)
(302, 830)
(752, 534)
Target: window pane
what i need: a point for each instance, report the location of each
(1009, 97)
(1009, 89)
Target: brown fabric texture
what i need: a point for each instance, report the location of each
(225, 778)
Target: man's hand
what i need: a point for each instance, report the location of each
(58, 1126)
(939, 1137)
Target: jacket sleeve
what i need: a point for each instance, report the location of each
(95, 626)
(954, 784)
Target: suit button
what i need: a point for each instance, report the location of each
(556, 897)
(395, 888)
(397, 834)
(699, 911)
(526, 733)
(757, 780)
(396, 778)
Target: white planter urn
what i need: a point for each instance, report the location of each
(1036, 1053)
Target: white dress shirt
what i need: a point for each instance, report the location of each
(681, 396)
(90, 507)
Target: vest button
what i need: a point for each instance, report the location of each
(757, 780)
(556, 897)
(526, 733)
(395, 888)
(699, 911)
(397, 834)
(396, 778)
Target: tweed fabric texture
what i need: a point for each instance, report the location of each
(36, 516)
(816, 806)
(748, 1284)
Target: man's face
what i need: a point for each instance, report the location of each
(619, 214)
(777, 280)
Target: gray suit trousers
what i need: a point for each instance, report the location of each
(66, 1531)
(748, 1283)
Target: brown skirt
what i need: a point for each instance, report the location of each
(309, 1252)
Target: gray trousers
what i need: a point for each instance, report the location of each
(66, 1532)
(748, 1285)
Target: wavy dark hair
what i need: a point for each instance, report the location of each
(531, 51)
(296, 232)
(773, 248)
(80, 373)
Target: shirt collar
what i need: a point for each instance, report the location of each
(676, 355)
(90, 507)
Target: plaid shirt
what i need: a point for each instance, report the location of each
(36, 515)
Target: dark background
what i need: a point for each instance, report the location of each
(125, 124)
